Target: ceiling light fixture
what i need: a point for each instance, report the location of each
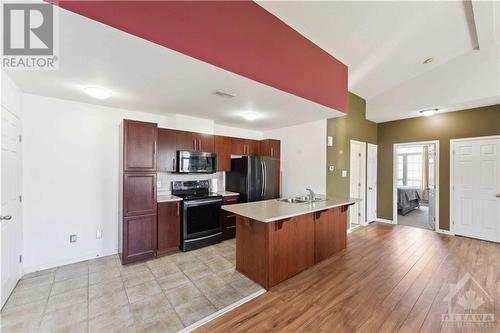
(429, 112)
(428, 61)
(250, 115)
(98, 92)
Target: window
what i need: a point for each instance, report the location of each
(409, 166)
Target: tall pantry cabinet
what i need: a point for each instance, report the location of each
(138, 209)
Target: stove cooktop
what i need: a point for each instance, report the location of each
(196, 196)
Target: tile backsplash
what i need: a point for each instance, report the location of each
(166, 178)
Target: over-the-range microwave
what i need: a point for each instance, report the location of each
(196, 162)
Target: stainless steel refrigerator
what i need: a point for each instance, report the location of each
(252, 177)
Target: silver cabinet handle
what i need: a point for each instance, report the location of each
(6, 217)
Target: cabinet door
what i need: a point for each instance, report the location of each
(238, 146)
(252, 147)
(169, 226)
(228, 219)
(186, 141)
(223, 151)
(139, 146)
(139, 194)
(270, 147)
(166, 159)
(205, 142)
(291, 246)
(139, 238)
(340, 232)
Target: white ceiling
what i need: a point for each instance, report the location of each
(385, 43)
(150, 78)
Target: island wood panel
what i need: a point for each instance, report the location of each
(169, 226)
(252, 249)
(291, 247)
(330, 232)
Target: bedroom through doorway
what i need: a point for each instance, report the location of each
(416, 168)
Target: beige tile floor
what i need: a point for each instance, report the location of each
(165, 294)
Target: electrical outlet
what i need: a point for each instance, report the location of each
(344, 173)
(332, 168)
(72, 238)
(98, 234)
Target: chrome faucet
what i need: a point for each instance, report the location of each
(312, 196)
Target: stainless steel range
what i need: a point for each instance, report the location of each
(200, 214)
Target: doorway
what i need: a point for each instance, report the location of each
(357, 183)
(415, 184)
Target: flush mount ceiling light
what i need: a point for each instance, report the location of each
(98, 92)
(428, 60)
(250, 115)
(429, 112)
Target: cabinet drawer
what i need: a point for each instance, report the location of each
(230, 199)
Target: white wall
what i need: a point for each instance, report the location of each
(303, 157)
(71, 178)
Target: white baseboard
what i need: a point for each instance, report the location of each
(384, 220)
(219, 313)
(58, 263)
(446, 232)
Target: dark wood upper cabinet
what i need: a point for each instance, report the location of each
(205, 142)
(169, 226)
(271, 148)
(139, 194)
(252, 147)
(222, 146)
(244, 146)
(167, 150)
(186, 140)
(139, 146)
(139, 238)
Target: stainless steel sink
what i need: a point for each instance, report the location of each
(302, 199)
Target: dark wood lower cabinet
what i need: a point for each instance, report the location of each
(169, 227)
(228, 220)
(139, 238)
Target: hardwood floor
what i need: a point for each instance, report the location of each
(391, 278)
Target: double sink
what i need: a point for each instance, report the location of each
(302, 199)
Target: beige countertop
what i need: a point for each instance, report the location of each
(167, 198)
(227, 193)
(273, 210)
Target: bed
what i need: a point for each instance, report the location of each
(408, 199)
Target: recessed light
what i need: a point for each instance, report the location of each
(250, 115)
(98, 92)
(428, 60)
(429, 112)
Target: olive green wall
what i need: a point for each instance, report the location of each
(353, 126)
(443, 127)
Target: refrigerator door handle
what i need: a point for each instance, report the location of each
(263, 180)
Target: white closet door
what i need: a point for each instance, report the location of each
(371, 183)
(476, 192)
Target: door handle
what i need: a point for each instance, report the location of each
(370, 188)
(498, 195)
(6, 217)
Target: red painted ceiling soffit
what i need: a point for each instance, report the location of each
(238, 36)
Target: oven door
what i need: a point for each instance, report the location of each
(195, 162)
(201, 218)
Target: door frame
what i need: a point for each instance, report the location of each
(452, 165)
(395, 178)
(363, 180)
(368, 145)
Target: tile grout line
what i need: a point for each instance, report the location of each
(46, 303)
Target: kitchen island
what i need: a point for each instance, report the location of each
(276, 240)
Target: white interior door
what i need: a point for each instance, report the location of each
(357, 182)
(10, 211)
(476, 191)
(371, 183)
(432, 186)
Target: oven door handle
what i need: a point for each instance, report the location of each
(194, 203)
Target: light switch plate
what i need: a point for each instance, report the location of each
(344, 173)
(330, 141)
(72, 238)
(332, 168)
(98, 234)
